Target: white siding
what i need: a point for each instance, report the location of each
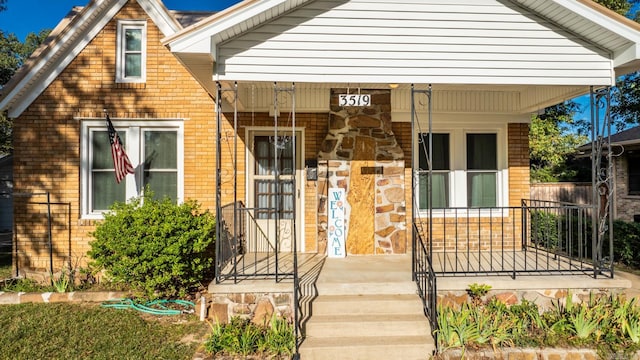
(413, 41)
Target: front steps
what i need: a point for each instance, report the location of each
(366, 311)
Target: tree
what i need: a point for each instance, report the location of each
(13, 54)
(552, 141)
(626, 94)
(555, 134)
(622, 7)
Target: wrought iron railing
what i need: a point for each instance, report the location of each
(245, 251)
(563, 233)
(425, 279)
(537, 237)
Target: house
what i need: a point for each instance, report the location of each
(6, 191)
(338, 127)
(626, 175)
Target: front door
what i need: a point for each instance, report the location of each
(274, 191)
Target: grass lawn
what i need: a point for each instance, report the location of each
(5, 264)
(66, 331)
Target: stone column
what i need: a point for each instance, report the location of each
(361, 155)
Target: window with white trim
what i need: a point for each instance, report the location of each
(482, 170)
(131, 60)
(155, 149)
(468, 169)
(440, 170)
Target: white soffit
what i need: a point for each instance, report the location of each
(603, 28)
(203, 37)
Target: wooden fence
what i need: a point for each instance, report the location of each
(576, 193)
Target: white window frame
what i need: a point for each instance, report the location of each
(123, 26)
(449, 172)
(134, 147)
(458, 169)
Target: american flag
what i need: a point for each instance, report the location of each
(121, 163)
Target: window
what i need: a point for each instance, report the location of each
(482, 169)
(468, 170)
(440, 170)
(634, 173)
(266, 194)
(155, 150)
(132, 55)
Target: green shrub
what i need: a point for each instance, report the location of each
(626, 243)
(609, 324)
(155, 246)
(242, 337)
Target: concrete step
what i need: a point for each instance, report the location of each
(367, 348)
(365, 325)
(367, 304)
(366, 288)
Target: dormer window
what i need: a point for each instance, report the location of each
(131, 63)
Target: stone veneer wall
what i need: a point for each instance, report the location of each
(257, 307)
(361, 155)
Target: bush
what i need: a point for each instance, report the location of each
(626, 243)
(155, 246)
(609, 324)
(242, 337)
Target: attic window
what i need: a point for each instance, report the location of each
(131, 61)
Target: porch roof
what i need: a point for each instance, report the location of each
(591, 45)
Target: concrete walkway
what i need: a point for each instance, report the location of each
(633, 291)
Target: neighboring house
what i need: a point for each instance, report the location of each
(491, 64)
(626, 173)
(6, 193)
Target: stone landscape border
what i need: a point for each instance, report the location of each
(528, 354)
(12, 298)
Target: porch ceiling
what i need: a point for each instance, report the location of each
(522, 99)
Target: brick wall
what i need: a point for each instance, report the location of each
(626, 205)
(47, 138)
(47, 144)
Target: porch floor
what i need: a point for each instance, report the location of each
(317, 272)
(528, 261)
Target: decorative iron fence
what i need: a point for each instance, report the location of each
(425, 279)
(538, 237)
(244, 250)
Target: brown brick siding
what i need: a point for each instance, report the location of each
(627, 206)
(47, 145)
(47, 138)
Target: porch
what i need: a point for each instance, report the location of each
(367, 306)
(515, 250)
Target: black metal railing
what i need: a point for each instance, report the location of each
(425, 279)
(560, 235)
(245, 251)
(537, 237)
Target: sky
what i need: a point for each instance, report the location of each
(25, 16)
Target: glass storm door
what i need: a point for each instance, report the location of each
(273, 197)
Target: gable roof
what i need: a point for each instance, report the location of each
(489, 42)
(596, 24)
(629, 137)
(65, 42)
(626, 137)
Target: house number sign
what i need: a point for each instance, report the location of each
(337, 227)
(354, 99)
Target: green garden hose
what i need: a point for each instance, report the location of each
(155, 307)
